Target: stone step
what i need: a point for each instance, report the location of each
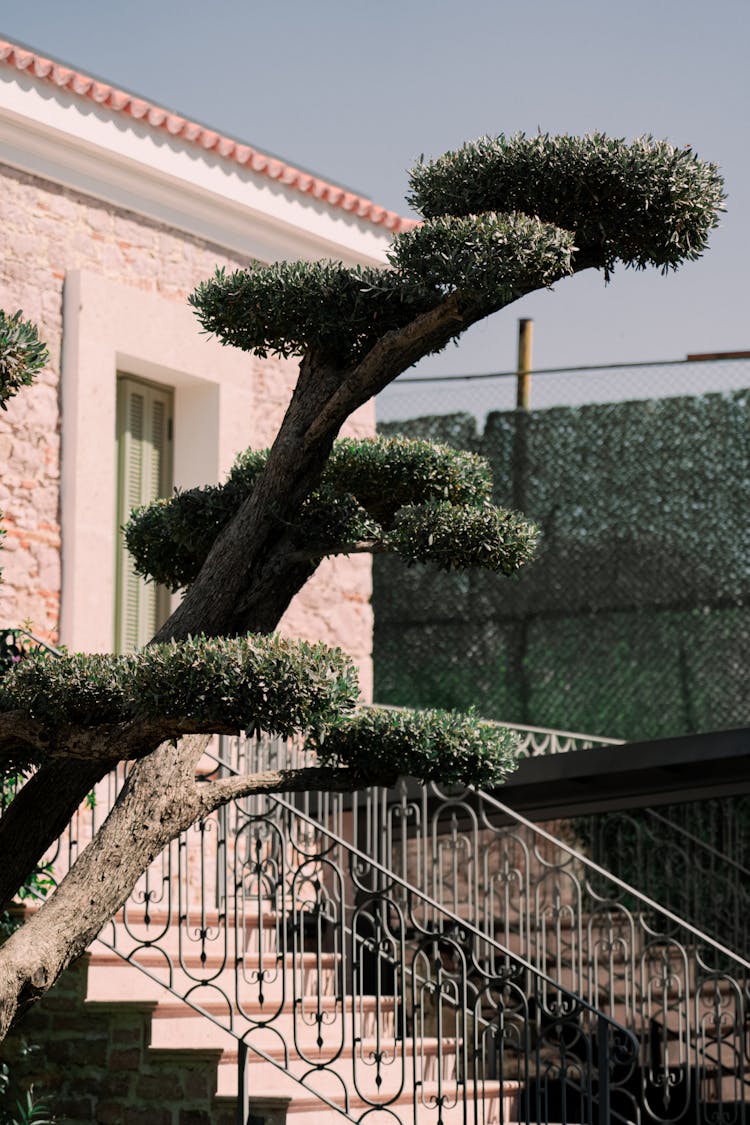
(308, 972)
(174, 1023)
(111, 978)
(305, 1108)
(336, 1016)
(95, 1062)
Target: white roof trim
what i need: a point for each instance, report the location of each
(50, 133)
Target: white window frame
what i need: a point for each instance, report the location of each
(109, 326)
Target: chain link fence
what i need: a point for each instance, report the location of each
(634, 620)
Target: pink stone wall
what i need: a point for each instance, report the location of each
(47, 231)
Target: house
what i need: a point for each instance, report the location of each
(114, 209)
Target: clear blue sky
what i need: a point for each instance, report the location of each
(358, 90)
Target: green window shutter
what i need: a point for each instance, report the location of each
(144, 472)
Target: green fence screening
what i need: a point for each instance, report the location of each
(634, 621)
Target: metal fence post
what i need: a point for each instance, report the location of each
(602, 1045)
(242, 1090)
(523, 378)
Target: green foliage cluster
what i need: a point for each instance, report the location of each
(374, 489)
(250, 682)
(254, 683)
(22, 354)
(290, 307)
(494, 257)
(20, 1106)
(384, 473)
(463, 538)
(170, 538)
(503, 216)
(379, 745)
(643, 203)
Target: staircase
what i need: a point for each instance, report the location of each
(94, 1061)
(412, 956)
(300, 1030)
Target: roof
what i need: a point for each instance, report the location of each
(233, 151)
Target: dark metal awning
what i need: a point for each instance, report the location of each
(663, 771)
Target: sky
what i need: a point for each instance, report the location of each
(358, 91)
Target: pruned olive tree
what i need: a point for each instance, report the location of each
(501, 217)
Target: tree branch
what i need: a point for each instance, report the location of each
(327, 779)
(42, 808)
(159, 800)
(391, 355)
(16, 727)
(364, 547)
(123, 742)
(38, 815)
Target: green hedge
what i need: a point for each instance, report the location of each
(633, 621)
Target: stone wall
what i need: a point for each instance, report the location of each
(90, 1062)
(50, 231)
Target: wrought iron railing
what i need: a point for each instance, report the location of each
(536, 742)
(324, 964)
(683, 994)
(683, 991)
(14, 643)
(440, 937)
(696, 871)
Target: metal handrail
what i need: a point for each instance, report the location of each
(577, 1003)
(709, 848)
(465, 927)
(702, 980)
(627, 1043)
(461, 923)
(650, 905)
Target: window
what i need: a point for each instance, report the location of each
(144, 472)
(110, 327)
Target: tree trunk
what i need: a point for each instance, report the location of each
(158, 801)
(251, 573)
(246, 583)
(38, 815)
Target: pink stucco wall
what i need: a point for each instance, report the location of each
(47, 232)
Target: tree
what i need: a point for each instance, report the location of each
(502, 217)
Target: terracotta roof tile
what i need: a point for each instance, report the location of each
(158, 118)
